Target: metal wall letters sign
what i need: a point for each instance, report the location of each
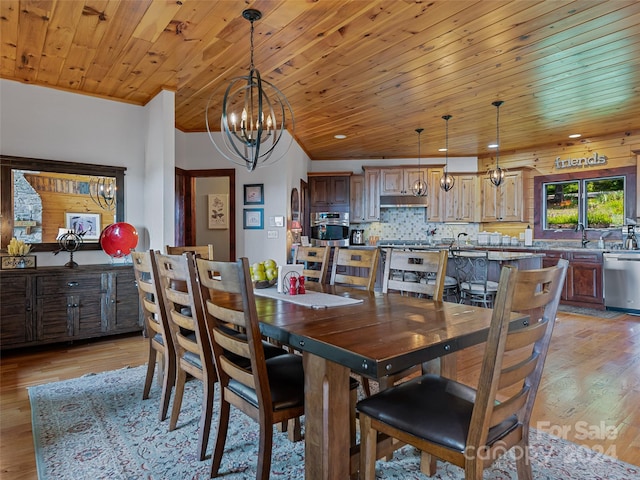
(592, 161)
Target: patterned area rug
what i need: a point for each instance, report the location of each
(98, 427)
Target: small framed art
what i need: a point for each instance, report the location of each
(87, 223)
(218, 213)
(253, 219)
(254, 194)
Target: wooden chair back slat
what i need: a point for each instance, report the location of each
(202, 251)
(429, 268)
(366, 259)
(316, 256)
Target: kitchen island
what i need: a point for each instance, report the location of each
(523, 260)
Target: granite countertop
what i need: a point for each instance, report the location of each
(496, 255)
(536, 248)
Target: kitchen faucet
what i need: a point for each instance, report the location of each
(461, 234)
(580, 227)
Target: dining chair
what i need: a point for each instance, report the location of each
(161, 347)
(472, 427)
(204, 251)
(421, 273)
(472, 272)
(269, 390)
(193, 352)
(355, 267)
(360, 266)
(315, 260)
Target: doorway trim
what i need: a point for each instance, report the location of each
(185, 205)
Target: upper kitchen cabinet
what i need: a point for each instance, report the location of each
(372, 194)
(398, 181)
(461, 202)
(435, 210)
(329, 193)
(504, 203)
(357, 199)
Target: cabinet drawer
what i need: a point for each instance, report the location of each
(586, 257)
(68, 284)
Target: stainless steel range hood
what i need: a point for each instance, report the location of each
(387, 201)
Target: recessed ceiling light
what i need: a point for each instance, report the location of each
(340, 136)
(442, 149)
(575, 135)
(492, 145)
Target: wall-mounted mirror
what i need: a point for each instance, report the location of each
(39, 197)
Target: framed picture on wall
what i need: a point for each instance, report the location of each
(254, 194)
(218, 211)
(87, 224)
(253, 218)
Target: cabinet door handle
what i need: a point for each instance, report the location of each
(72, 284)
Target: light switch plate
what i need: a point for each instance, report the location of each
(272, 234)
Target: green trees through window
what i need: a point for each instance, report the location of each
(596, 203)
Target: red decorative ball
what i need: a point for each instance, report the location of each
(118, 239)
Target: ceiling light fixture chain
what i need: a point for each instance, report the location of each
(250, 138)
(419, 187)
(446, 181)
(496, 175)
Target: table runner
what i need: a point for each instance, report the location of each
(309, 299)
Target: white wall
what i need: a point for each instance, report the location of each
(194, 151)
(159, 172)
(51, 124)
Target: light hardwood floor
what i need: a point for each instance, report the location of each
(591, 383)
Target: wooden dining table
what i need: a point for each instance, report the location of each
(382, 335)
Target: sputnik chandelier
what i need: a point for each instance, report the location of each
(254, 116)
(103, 192)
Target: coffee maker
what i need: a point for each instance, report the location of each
(631, 242)
(356, 237)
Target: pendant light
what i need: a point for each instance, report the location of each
(446, 181)
(254, 115)
(419, 187)
(496, 175)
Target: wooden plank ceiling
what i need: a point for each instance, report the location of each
(374, 70)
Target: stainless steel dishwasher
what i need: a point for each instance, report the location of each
(622, 281)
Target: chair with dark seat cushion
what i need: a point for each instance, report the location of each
(269, 390)
(161, 348)
(470, 427)
(193, 352)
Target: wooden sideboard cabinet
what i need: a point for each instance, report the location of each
(59, 304)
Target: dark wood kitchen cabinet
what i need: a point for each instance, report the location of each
(584, 278)
(583, 285)
(329, 193)
(57, 304)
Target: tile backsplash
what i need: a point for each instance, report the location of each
(411, 224)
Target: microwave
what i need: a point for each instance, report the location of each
(330, 228)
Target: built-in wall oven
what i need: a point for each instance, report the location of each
(330, 228)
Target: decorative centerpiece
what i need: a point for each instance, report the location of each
(18, 256)
(69, 242)
(264, 274)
